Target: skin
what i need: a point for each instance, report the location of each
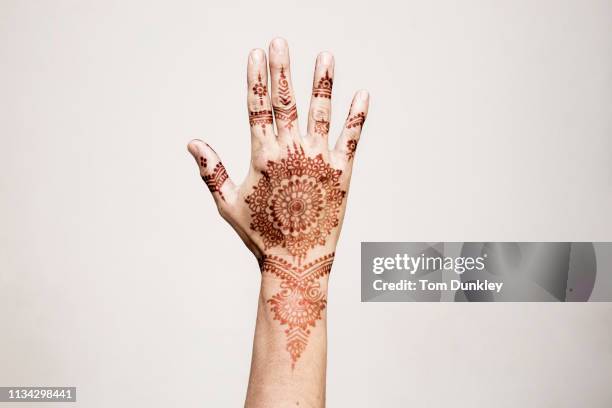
(289, 212)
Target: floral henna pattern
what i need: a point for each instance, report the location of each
(262, 118)
(324, 87)
(295, 205)
(287, 111)
(259, 89)
(215, 180)
(300, 301)
(356, 120)
(351, 147)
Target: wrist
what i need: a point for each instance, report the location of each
(272, 287)
(278, 272)
(294, 298)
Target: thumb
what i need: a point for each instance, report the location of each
(213, 172)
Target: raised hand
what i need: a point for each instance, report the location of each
(290, 208)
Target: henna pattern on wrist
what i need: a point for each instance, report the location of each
(215, 180)
(262, 118)
(324, 87)
(356, 120)
(296, 203)
(288, 111)
(259, 89)
(300, 301)
(351, 146)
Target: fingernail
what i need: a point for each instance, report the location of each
(279, 45)
(325, 58)
(256, 56)
(363, 95)
(192, 148)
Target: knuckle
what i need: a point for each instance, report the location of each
(321, 113)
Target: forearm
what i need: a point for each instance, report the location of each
(290, 347)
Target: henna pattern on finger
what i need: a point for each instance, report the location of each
(259, 89)
(321, 127)
(262, 118)
(202, 162)
(296, 203)
(215, 180)
(351, 146)
(288, 115)
(324, 87)
(284, 95)
(356, 120)
(288, 111)
(300, 302)
(321, 118)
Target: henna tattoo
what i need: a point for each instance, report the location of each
(351, 146)
(284, 95)
(300, 301)
(260, 89)
(324, 87)
(215, 180)
(321, 127)
(321, 117)
(356, 120)
(285, 114)
(295, 205)
(202, 162)
(262, 118)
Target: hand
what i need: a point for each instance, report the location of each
(290, 208)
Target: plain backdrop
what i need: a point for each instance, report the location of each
(490, 120)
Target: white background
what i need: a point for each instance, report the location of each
(489, 121)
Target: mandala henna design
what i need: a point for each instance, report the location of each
(262, 118)
(324, 87)
(356, 120)
(300, 301)
(260, 89)
(295, 205)
(351, 146)
(286, 114)
(215, 180)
